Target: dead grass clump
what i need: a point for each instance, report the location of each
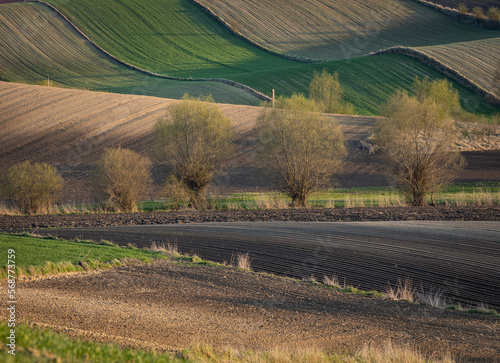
(166, 248)
(397, 353)
(402, 291)
(332, 281)
(434, 298)
(241, 261)
(386, 353)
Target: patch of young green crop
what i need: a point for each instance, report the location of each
(43, 345)
(34, 251)
(177, 38)
(52, 51)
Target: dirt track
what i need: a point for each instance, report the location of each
(171, 306)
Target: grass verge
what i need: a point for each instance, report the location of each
(47, 255)
(43, 345)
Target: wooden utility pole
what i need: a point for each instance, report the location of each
(273, 97)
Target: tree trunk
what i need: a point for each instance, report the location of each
(419, 198)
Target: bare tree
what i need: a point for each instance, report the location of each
(120, 178)
(33, 187)
(302, 149)
(417, 140)
(196, 140)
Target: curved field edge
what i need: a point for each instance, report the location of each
(443, 68)
(368, 81)
(325, 38)
(411, 52)
(468, 18)
(153, 74)
(38, 47)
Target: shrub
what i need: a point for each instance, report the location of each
(33, 187)
(301, 149)
(477, 11)
(494, 13)
(326, 91)
(120, 177)
(463, 9)
(196, 141)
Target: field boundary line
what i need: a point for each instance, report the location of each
(229, 82)
(468, 18)
(443, 68)
(228, 27)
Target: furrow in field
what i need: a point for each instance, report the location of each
(39, 45)
(368, 255)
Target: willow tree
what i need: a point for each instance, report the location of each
(196, 141)
(418, 139)
(302, 149)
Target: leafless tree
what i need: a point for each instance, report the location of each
(120, 178)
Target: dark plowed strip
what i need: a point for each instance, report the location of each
(460, 258)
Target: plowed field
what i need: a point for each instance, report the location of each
(71, 128)
(170, 306)
(460, 259)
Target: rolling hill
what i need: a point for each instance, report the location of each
(36, 44)
(71, 128)
(48, 47)
(329, 30)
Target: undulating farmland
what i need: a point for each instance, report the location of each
(71, 128)
(323, 30)
(68, 59)
(37, 45)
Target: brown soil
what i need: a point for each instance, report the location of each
(170, 306)
(71, 128)
(30, 223)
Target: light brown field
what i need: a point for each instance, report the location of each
(71, 128)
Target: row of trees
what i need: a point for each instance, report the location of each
(493, 12)
(299, 147)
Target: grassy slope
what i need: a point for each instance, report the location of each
(326, 29)
(31, 251)
(190, 42)
(31, 51)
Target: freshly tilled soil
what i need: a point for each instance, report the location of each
(21, 223)
(169, 306)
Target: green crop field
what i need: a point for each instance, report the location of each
(36, 45)
(330, 30)
(175, 37)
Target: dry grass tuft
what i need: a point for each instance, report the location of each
(166, 248)
(433, 298)
(242, 261)
(394, 353)
(386, 353)
(401, 291)
(332, 281)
